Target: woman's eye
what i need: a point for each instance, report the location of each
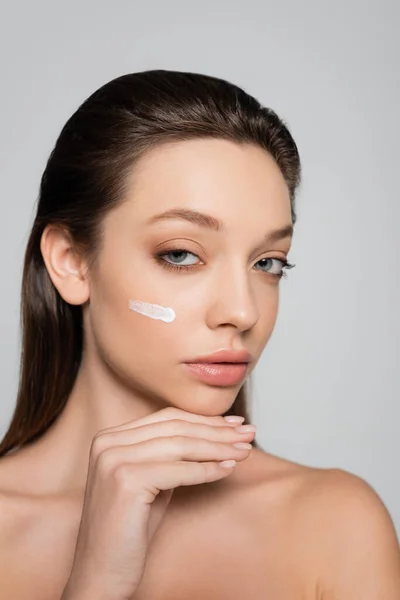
(271, 266)
(179, 256)
(276, 268)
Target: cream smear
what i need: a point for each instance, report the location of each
(154, 311)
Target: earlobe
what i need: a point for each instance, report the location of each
(66, 268)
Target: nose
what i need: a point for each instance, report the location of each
(232, 301)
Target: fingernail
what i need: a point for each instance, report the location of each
(246, 428)
(234, 419)
(227, 463)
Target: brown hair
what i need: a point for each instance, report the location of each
(85, 177)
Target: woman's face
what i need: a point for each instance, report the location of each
(223, 285)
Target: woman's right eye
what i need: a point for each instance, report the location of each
(177, 252)
(177, 267)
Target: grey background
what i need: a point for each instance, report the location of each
(326, 390)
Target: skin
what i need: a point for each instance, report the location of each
(300, 531)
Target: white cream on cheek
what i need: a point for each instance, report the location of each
(154, 311)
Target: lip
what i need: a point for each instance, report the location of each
(223, 356)
(225, 374)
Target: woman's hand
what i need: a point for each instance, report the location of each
(133, 470)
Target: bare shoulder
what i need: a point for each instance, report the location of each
(16, 506)
(29, 522)
(18, 510)
(343, 503)
(15, 513)
(15, 523)
(333, 525)
(347, 535)
(329, 496)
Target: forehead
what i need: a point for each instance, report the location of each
(221, 177)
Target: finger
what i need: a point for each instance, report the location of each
(144, 479)
(168, 414)
(171, 449)
(173, 427)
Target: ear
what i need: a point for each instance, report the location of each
(67, 269)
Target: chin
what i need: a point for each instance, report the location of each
(207, 400)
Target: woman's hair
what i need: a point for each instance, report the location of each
(86, 176)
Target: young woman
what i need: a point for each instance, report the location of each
(163, 227)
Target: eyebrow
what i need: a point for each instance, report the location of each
(210, 222)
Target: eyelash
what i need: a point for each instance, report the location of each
(180, 268)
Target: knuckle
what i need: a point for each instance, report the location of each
(125, 477)
(106, 462)
(97, 446)
(120, 473)
(209, 469)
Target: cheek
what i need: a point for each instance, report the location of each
(128, 341)
(270, 314)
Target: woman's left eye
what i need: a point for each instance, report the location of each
(277, 264)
